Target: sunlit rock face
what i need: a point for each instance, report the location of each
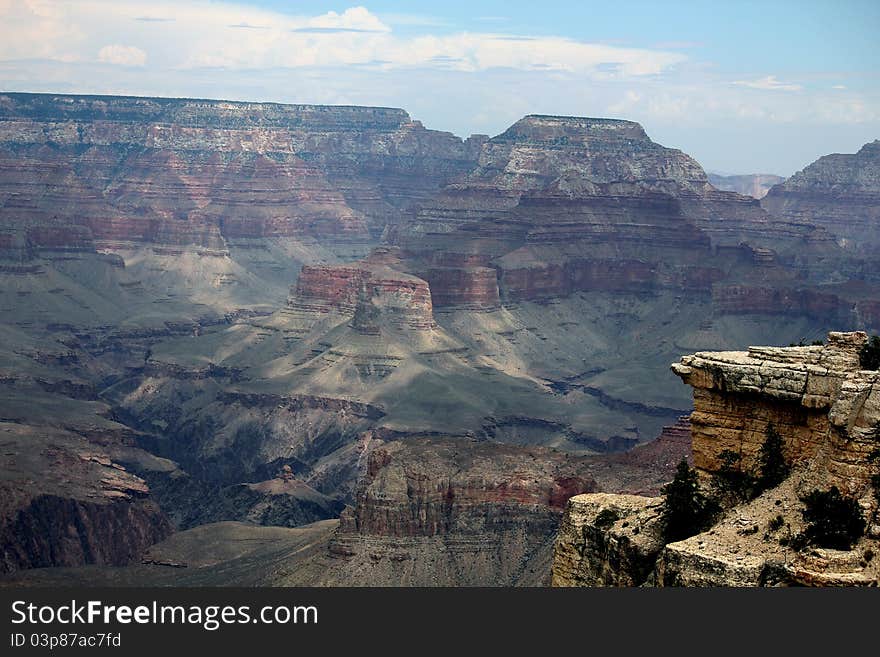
(817, 397)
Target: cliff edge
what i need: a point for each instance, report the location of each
(825, 408)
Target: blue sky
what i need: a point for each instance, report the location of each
(742, 86)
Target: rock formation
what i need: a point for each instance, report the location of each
(203, 171)
(561, 204)
(66, 502)
(827, 410)
(840, 193)
(433, 510)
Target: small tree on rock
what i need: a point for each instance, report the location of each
(732, 483)
(833, 520)
(686, 510)
(773, 468)
(869, 356)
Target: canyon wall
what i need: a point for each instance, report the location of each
(839, 192)
(192, 172)
(290, 307)
(67, 502)
(557, 205)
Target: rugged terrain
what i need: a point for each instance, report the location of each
(827, 411)
(840, 192)
(280, 314)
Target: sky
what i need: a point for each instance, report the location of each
(744, 87)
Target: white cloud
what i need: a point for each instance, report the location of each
(769, 83)
(195, 34)
(122, 55)
(356, 19)
(413, 20)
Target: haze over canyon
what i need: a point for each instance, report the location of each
(274, 344)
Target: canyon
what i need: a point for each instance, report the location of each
(390, 353)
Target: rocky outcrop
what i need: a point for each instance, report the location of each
(362, 291)
(434, 510)
(65, 502)
(540, 193)
(456, 485)
(839, 192)
(607, 540)
(827, 411)
(755, 185)
(558, 205)
(816, 397)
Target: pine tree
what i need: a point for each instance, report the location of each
(732, 483)
(869, 356)
(686, 510)
(773, 468)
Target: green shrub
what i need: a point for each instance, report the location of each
(731, 481)
(772, 466)
(833, 520)
(606, 518)
(734, 484)
(686, 510)
(869, 356)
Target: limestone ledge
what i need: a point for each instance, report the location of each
(817, 377)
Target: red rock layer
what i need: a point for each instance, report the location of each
(180, 172)
(403, 299)
(765, 300)
(467, 287)
(557, 205)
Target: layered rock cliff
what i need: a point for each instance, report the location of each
(827, 411)
(173, 171)
(433, 510)
(562, 204)
(839, 192)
